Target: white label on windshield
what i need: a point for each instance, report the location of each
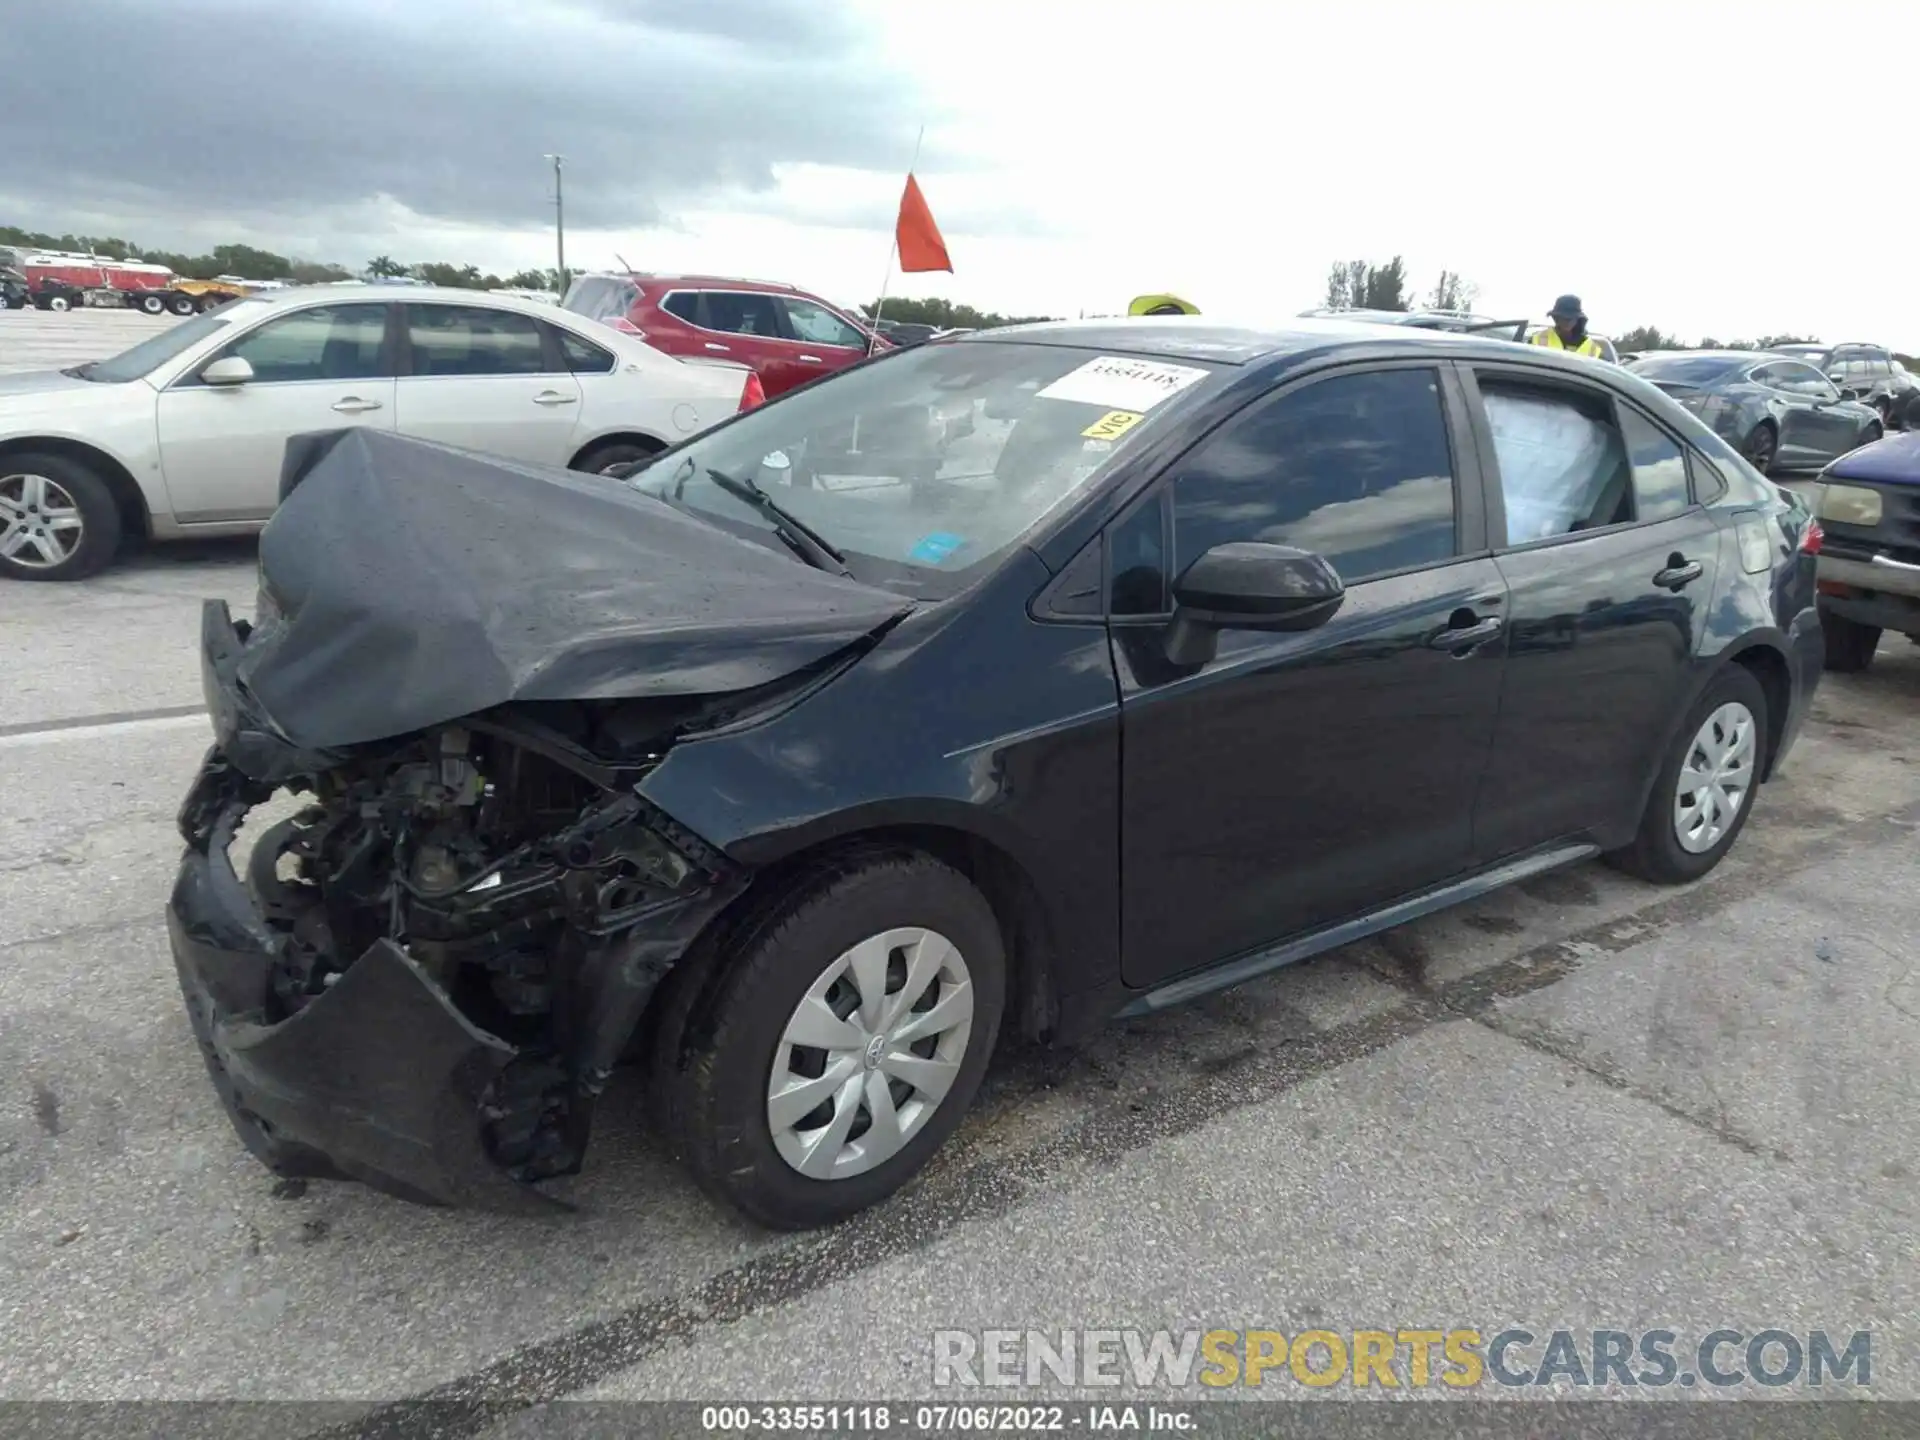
(1120, 383)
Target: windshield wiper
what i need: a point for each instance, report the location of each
(800, 538)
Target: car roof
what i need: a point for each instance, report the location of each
(299, 296)
(1182, 337)
(703, 282)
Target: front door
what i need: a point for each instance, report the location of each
(221, 446)
(1610, 569)
(1818, 430)
(1293, 780)
(488, 380)
(822, 342)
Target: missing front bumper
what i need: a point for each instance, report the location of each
(378, 1079)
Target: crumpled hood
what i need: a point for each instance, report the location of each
(1892, 461)
(405, 584)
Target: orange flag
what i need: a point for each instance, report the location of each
(921, 247)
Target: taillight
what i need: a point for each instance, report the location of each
(753, 392)
(1811, 537)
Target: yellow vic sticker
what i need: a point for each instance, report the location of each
(1111, 426)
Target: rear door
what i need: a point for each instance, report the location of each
(1293, 780)
(487, 379)
(319, 368)
(746, 326)
(1610, 566)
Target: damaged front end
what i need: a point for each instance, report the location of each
(428, 972)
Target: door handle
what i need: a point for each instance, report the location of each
(1893, 564)
(1460, 639)
(354, 405)
(553, 397)
(1679, 573)
(721, 348)
(812, 359)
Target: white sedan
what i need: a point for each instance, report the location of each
(183, 435)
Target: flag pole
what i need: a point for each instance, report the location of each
(893, 249)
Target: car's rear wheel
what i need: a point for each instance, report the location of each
(614, 457)
(812, 1069)
(57, 303)
(1705, 789)
(1761, 444)
(58, 520)
(1850, 645)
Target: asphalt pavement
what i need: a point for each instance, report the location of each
(1582, 1103)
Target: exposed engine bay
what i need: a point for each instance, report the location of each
(524, 877)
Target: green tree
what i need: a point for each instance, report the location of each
(1361, 285)
(1450, 292)
(385, 267)
(945, 314)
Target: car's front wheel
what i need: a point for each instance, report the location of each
(1705, 789)
(820, 1061)
(1850, 645)
(58, 519)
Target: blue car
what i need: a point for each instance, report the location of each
(1869, 506)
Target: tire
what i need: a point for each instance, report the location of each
(153, 304)
(600, 459)
(726, 1023)
(1658, 853)
(57, 303)
(85, 496)
(1761, 447)
(181, 304)
(1850, 645)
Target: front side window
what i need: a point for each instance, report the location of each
(1659, 469)
(464, 340)
(1804, 381)
(327, 342)
(1355, 468)
(932, 462)
(741, 313)
(683, 305)
(817, 325)
(1563, 465)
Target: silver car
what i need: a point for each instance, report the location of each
(1781, 413)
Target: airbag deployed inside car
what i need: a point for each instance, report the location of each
(405, 583)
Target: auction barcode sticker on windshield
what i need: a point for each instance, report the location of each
(1121, 383)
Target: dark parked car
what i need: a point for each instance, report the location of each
(1869, 505)
(1781, 413)
(1869, 373)
(801, 763)
(16, 291)
(907, 332)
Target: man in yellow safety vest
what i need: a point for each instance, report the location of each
(1569, 329)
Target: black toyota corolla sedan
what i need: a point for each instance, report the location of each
(1025, 679)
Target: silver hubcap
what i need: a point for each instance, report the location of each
(870, 1053)
(40, 524)
(1715, 779)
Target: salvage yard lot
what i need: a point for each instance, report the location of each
(1583, 1103)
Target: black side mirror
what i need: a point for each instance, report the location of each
(1249, 585)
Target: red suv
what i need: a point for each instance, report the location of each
(787, 336)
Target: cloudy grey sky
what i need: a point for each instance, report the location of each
(1076, 153)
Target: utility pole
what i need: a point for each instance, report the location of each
(559, 221)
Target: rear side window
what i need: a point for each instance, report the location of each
(1563, 464)
(742, 313)
(1659, 469)
(464, 340)
(582, 356)
(1356, 468)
